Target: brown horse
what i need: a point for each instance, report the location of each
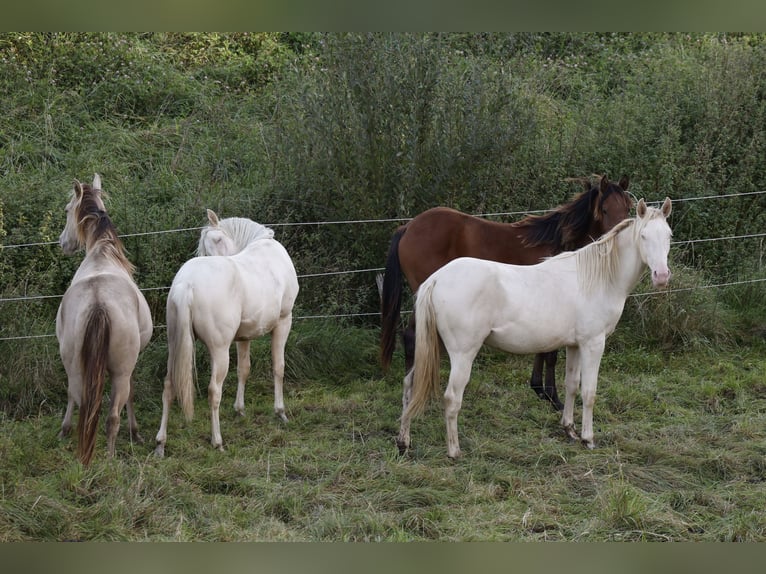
(439, 235)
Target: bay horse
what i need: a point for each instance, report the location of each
(439, 235)
(102, 323)
(574, 299)
(241, 285)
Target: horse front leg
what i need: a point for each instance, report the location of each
(536, 380)
(278, 342)
(590, 361)
(243, 372)
(550, 393)
(571, 382)
(219, 366)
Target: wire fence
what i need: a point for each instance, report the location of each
(381, 269)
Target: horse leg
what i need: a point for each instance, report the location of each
(219, 366)
(162, 434)
(460, 373)
(590, 362)
(132, 422)
(550, 379)
(572, 382)
(66, 424)
(119, 397)
(243, 371)
(408, 340)
(278, 342)
(536, 380)
(403, 440)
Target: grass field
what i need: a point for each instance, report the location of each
(681, 456)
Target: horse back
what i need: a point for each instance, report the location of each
(440, 235)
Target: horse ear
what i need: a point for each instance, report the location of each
(624, 183)
(641, 208)
(212, 218)
(96, 182)
(603, 184)
(667, 207)
(77, 189)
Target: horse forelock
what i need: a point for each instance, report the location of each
(240, 230)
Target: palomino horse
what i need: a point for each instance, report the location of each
(245, 289)
(574, 299)
(439, 235)
(102, 324)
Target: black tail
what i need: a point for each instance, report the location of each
(391, 300)
(93, 360)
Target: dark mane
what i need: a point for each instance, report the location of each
(566, 227)
(95, 221)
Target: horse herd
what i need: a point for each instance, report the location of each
(534, 286)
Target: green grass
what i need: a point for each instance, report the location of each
(681, 455)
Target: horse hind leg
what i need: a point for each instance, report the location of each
(403, 440)
(162, 434)
(132, 422)
(219, 366)
(278, 342)
(121, 394)
(243, 372)
(460, 373)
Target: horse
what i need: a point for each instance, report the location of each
(102, 323)
(439, 235)
(241, 285)
(574, 299)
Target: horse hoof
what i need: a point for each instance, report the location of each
(403, 447)
(571, 433)
(456, 455)
(589, 444)
(159, 452)
(282, 416)
(137, 438)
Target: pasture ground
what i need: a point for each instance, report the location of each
(681, 456)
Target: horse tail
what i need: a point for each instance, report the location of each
(425, 382)
(391, 300)
(181, 363)
(94, 357)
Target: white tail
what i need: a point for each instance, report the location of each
(181, 363)
(425, 382)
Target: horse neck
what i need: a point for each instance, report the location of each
(106, 248)
(630, 265)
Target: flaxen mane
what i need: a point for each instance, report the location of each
(104, 237)
(242, 232)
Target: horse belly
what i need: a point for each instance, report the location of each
(521, 340)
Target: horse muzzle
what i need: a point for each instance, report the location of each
(661, 277)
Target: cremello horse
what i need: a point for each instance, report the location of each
(572, 300)
(241, 286)
(102, 324)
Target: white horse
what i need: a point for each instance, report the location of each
(102, 324)
(572, 300)
(245, 289)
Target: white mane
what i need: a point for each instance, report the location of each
(598, 262)
(241, 230)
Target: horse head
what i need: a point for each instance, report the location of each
(610, 204)
(214, 240)
(84, 200)
(654, 239)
